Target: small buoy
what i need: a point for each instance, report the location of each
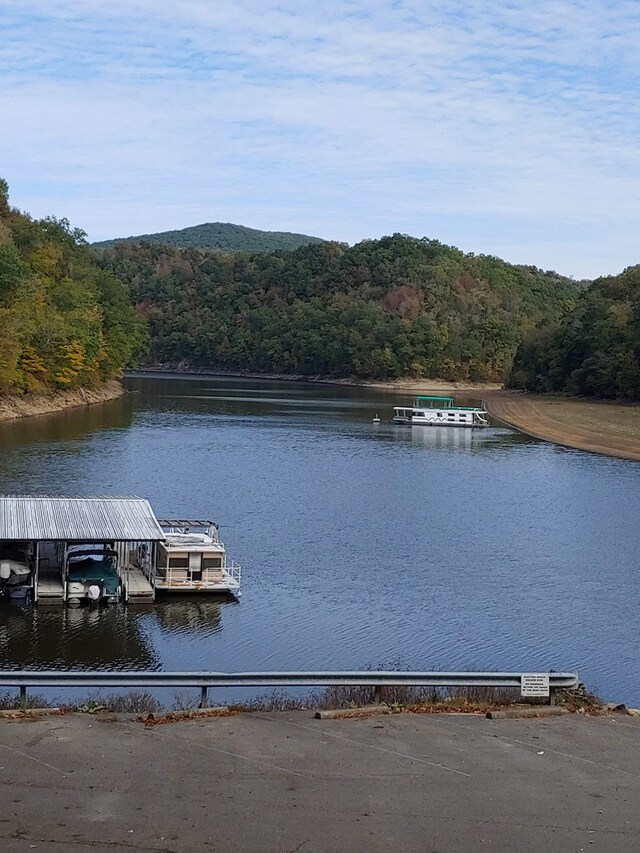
(376, 420)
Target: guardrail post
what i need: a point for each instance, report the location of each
(377, 694)
(23, 695)
(552, 695)
(203, 697)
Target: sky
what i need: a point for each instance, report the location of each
(503, 128)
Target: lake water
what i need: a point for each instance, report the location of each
(361, 545)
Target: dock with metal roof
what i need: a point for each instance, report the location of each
(77, 519)
(37, 531)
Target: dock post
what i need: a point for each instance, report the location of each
(23, 695)
(203, 697)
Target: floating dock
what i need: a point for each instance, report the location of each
(56, 549)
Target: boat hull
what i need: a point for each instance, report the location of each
(468, 419)
(427, 423)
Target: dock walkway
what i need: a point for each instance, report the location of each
(49, 583)
(138, 586)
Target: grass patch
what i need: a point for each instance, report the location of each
(10, 701)
(133, 702)
(396, 698)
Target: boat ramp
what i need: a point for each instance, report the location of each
(56, 549)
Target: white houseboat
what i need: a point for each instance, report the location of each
(191, 558)
(439, 411)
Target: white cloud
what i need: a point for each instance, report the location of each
(493, 126)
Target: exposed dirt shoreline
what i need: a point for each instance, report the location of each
(14, 406)
(612, 429)
(416, 386)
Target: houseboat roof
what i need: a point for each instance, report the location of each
(191, 542)
(436, 399)
(77, 519)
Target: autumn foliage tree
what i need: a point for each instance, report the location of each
(393, 307)
(64, 322)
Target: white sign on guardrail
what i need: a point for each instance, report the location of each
(534, 684)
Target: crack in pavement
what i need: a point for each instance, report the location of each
(259, 761)
(540, 745)
(87, 842)
(33, 758)
(369, 745)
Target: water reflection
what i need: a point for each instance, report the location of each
(192, 614)
(445, 548)
(66, 638)
(69, 426)
(453, 438)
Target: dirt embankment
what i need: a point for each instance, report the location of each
(420, 386)
(412, 386)
(612, 429)
(23, 406)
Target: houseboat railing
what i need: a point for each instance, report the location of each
(233, 569)
(229, 572)
(552, 681)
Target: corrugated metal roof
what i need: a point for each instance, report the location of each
(76, 519)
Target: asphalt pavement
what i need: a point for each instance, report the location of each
(286, 783)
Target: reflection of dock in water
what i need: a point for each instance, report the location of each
(67, 638)
(195, 615)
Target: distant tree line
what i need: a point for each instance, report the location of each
(64, 321)
(385, 308)
(593, 349)
(396, 307)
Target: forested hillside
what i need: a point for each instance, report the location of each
(220, 235)
(64, 322)
(594, 349)
(383, 308)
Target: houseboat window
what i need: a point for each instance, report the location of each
(179, 562)
(463, 416)
(440, 415)
(212, 562)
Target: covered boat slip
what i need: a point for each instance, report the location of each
(71, 549)
(69, 544)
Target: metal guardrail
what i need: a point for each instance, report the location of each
(206, 680)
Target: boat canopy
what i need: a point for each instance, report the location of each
(433, 402)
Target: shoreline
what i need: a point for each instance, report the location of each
(610, 429)
(411, 385)
(16, 406)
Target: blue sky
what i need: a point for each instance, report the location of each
(507, 128)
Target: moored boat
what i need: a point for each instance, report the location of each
(92, 574)
(193, 559)
(15, 578)
(439, 411)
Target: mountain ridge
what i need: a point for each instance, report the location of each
(221, 236)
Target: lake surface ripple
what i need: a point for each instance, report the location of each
(432, 548)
